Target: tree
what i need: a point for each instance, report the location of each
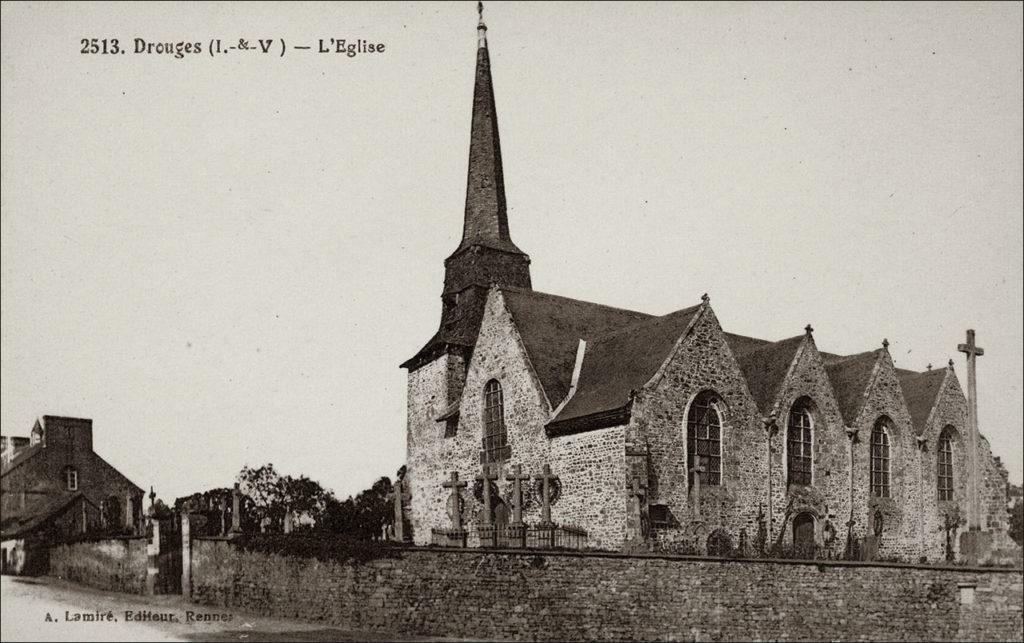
(1017, 522)
(274, 495)
(363, 517)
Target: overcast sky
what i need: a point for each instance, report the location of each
(224, 260)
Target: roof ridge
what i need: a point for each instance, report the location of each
(773, 344)
(691, 310)
(530, 291)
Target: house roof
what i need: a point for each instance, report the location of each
(622, 361)
(764, 365)
(18, 523)
(23, 456)
(551, 328)
(850, 376)
(921, 391)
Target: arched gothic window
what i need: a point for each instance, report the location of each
(496, 446)
(945, 461)
(71, 478)
(880, 458)
(704, 437)
(798, 445)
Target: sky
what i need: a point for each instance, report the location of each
(223, 260)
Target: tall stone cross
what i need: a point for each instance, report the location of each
(635, 521)
(698, 471)
(517, 478)
(485, 478)
(454, 500)
(236, 510)
(398, 497)
(973, 351)
(545, 500)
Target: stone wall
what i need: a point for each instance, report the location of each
(117, 564)
(591, 466)
(501, 594)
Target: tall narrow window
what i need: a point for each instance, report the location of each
(880, 459)
(798, 445)
(495, 435)
(71, 478)
(945, 472)
(704, 437)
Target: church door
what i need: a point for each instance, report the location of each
(803, 535)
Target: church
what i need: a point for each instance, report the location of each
(669, 433)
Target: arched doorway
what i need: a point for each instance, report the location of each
(803, 535)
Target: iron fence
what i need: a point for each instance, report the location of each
(513, 537)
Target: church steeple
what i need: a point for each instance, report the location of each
(486, 255)
(486, 222)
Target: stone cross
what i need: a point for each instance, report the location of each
(454, 484)
(638, 490)
(236, 510)
(517, 478)
(698, 470)
(398, 497)
(485, 478)
(973, 351)
(545, 500)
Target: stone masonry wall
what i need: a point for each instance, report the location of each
(900, 532)
(587, 464)
(551, 596)
(827, 498)
(950, 411)
(116, 564)
(703, 362)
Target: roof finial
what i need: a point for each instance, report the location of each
(808, 329)
(929, 366)
(951, 362)
(481, 28)
(885, 344)
(704, 298)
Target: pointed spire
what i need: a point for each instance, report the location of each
(481, 28)
(486, 222)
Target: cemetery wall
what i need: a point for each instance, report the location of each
(117, 564)
(497, 594)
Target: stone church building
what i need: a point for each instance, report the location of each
(669, 431)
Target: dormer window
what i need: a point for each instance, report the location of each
(71, 478)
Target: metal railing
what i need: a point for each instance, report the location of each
(513, 537)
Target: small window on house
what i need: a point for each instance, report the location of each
(798, 445)
(704, 437)
(945, 464)
(71, 478)
(495, 440)
(880, 458)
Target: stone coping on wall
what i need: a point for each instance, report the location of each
(583, 553)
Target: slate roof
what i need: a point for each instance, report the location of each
(551, 327)
(623, 361)
(921, 391)
(22, 457)
(850, 376)
(764, 365)
(18, 523)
